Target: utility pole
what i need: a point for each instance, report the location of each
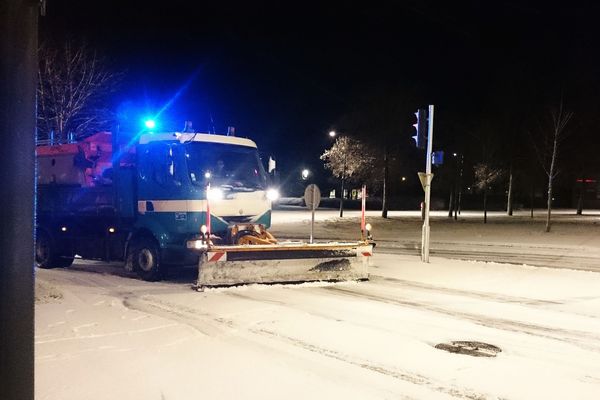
(427, 185)
(18, 72)
(457, 204)
(451, 201)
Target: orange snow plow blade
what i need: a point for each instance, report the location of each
(284, 263)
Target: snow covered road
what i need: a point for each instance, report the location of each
(101, 334)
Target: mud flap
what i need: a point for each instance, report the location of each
(284, 263)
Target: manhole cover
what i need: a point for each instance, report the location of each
(475, 349)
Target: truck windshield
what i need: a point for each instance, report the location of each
(225, 165)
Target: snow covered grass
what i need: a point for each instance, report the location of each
(567, 229)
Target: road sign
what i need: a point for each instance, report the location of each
(312, 196)
(423, 178)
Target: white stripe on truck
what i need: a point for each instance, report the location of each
(254, 203)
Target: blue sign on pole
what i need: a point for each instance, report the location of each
(437, 157)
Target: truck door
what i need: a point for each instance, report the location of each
(159, 174)
(161, 190)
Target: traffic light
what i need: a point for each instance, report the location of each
(421, 129)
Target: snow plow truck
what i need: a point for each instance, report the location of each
(175, 199)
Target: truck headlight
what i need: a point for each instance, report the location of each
(368, 228)
(214, 194)
(272, 194)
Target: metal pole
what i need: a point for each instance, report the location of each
(312, 220)
(363, 204)
(207, 218)
(18, 78)
(451, 201)
(116, 171)
(342, 194)
(460, 178)
(425, 232)
(384, 203)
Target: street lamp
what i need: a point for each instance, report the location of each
(332, 134)
(305, 173)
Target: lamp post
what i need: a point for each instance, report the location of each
(333, 134)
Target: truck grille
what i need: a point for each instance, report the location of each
(237, 219)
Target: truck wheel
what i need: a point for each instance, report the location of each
(46, 255)
(64, 262)
(145, 256)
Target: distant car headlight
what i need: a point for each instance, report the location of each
(214, 194)
(272, 194)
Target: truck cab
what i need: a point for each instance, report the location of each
(144, 206)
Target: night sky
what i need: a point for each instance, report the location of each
(285, 74)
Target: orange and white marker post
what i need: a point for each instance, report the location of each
(362, 215)
(207, 218)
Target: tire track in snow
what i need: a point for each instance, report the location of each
(405, 376)
(102, 335)
(381, 280)
(211, 325)
(546, 304)
(310, 311)
(577, 338)
(205, 323)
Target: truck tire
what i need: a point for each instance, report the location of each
(145, 258)
(46, 254)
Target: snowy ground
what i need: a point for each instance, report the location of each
(103, 334)
(574, 241)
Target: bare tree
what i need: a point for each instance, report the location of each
(74, 82)
(485, 177)
(547, 149)
(348, 159)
